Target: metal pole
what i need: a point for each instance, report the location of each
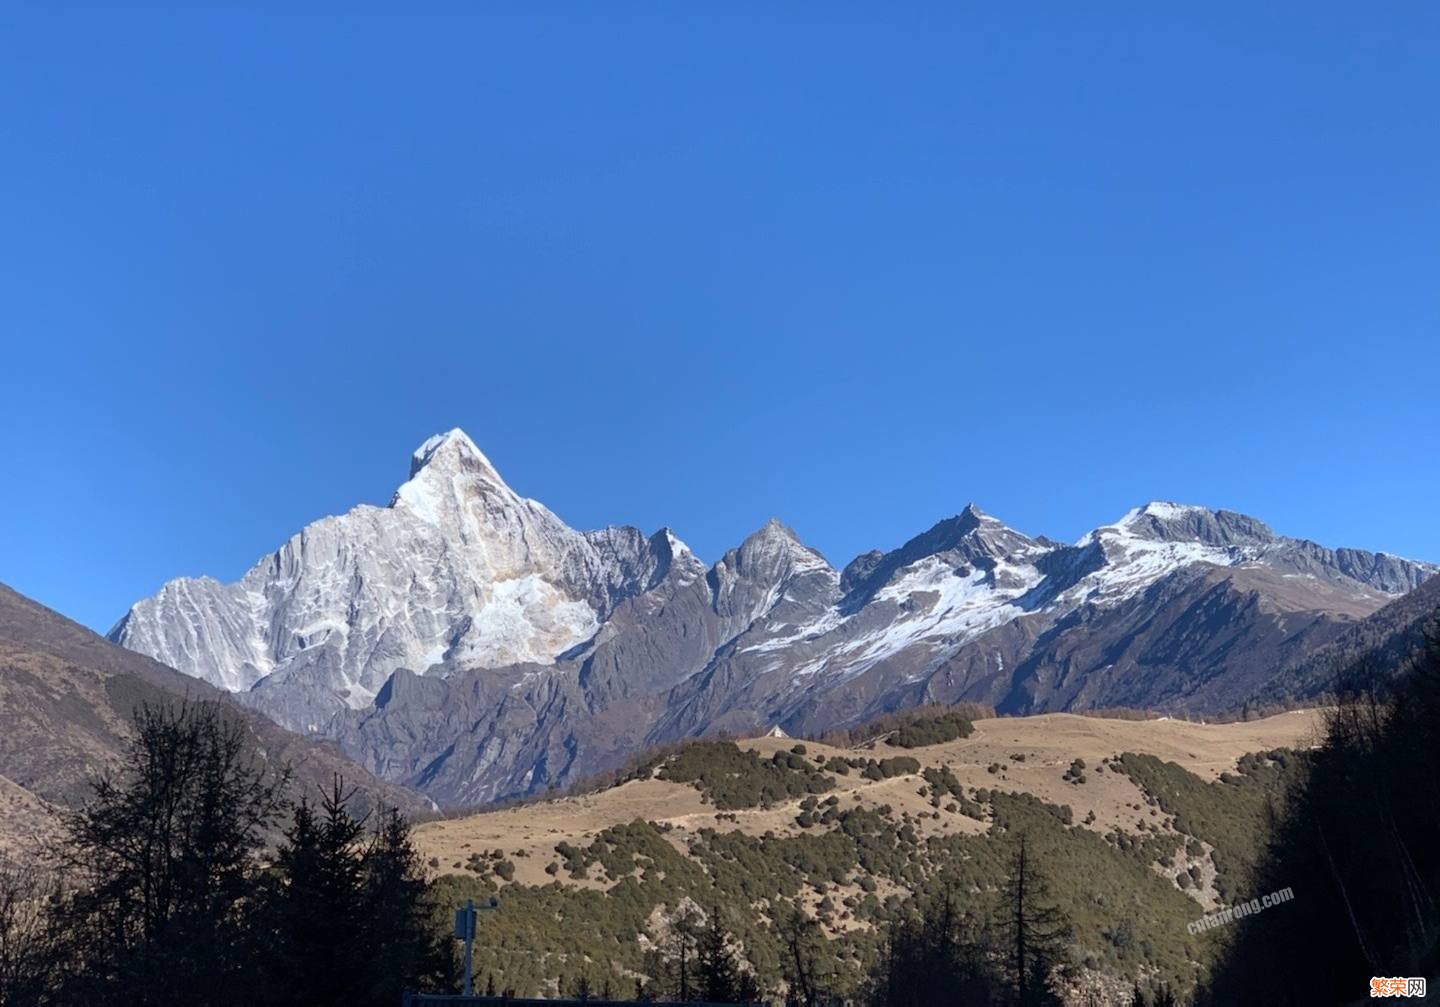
(469, 940)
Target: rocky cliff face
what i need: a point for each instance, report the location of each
(466, 641)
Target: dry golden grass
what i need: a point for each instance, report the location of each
(1048, 742)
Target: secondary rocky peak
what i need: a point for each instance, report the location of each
(773, 528)
(775, 544)
(974, 514)
(970, 539)
(1164, 521)
(967, 521)
(771, 566)
(667, 538)
(672, 556)
(972, 532)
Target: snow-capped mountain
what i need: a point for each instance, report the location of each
(457, 570)
(464, 639)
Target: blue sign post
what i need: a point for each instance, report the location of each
(465, 931)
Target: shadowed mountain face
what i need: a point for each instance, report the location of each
(466, 641)
(66, 699)
(1384, 641)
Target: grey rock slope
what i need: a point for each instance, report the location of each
(465, 641)
(66, 701)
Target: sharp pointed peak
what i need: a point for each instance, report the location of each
(440, 470)
(968, 520)
(669, 535)
(455, 435)
(453, 442)
(666, 536)
(771, 529)
(775, 530)
(972, 514)
(776, 537)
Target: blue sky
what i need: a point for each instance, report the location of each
(696, 265)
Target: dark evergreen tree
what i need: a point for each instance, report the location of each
(675, 968)
(801, 955)
(720, 977)
(402, 947)
(312, 910)
(684, 932)
(166, 850)
(171, 904)
(1031, 933)
(346, 916)
(716, 972)
(933, 957)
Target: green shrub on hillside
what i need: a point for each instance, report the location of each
(932, 731)
(891, 722)
(1232, 814)
(884, 769)
(1129, 919)
(732, 777)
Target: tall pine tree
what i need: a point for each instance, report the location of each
(313, 913)
(720, 977)
(932, 957)
(1032, 934)
(346, 913)
(165, 851)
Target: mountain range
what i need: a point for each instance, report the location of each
(465, 641)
